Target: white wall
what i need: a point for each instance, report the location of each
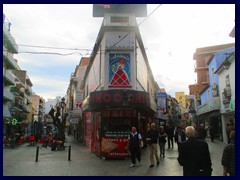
(222, 77)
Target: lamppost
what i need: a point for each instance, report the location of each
(62, 105)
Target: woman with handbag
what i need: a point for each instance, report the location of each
(162, 141)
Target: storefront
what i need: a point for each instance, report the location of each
(109, 119)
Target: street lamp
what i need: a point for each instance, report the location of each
(63, 105)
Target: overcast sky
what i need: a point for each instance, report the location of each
(170, 35)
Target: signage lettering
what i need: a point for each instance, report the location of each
(131, 97)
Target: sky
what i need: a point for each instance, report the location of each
(170, 36)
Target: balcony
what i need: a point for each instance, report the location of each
(17, 106)
(8, 77)
(211, 105)
(9, 40)
(28, 91)
(9, 60)
(6, 112)
(26, 108)
(15, 90)
(7, 95)
(19, 84)
(196, 69)
(74, 79)
(29, 99)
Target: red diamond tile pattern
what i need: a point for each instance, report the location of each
(120, 79)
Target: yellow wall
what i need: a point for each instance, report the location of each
(181, 98)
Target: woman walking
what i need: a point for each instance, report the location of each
(162, 141)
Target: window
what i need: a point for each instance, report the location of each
(119, 19)
(213, 80)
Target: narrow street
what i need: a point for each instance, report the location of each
(21, 162)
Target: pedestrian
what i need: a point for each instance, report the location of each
(194, 155)
(212, 133)
(152, 139)
(170, 135)
(179, 135)
(230, 127)
(202, 132)
(162, 141)
(228, 157)
(134, 146)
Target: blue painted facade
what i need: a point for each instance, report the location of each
(216, 61)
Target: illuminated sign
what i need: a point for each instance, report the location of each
(14, 122)
(120, 98)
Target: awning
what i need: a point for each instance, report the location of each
(228, 113)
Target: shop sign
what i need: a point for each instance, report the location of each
(120, 98)
(119, 112)
(74, 120)
(14, 122)
(161, 104)
(119, 70)
(7, 121)
(79, 100)
(115, 147)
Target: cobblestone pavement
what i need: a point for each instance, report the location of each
(21, 162)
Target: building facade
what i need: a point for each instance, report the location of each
(226, 90)
(17, 87)
(180, 97)
(75, 99)
(9, 64)
(119, 90)
(209, 110)
(202, 56)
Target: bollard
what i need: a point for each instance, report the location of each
(69, 153)
(37, 153)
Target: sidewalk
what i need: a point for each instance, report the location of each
(21, 162)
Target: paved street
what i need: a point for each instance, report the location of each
(21, 162)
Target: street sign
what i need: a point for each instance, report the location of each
(14, 121)
(161, 95)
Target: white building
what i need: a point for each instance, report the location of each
(226, 75)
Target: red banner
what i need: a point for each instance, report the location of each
(115, 147)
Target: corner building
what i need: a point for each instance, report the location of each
(119, 88)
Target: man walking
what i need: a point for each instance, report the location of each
(228, 157)
(152, 138)
(170, 135)
(134, 145)
(194, 155)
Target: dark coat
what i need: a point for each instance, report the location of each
(170, 131)
(228, 158)
(183, 136)
(153, 135)
(202, 133)
(195, 158)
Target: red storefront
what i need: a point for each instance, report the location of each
(113, 113)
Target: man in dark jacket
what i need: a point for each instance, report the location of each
(179, 136)
(134, 143)
(202, 132)
(194, 155)
(170, 135)
(228, 157)
(152, 139)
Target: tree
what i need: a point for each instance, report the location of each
(59, 120)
